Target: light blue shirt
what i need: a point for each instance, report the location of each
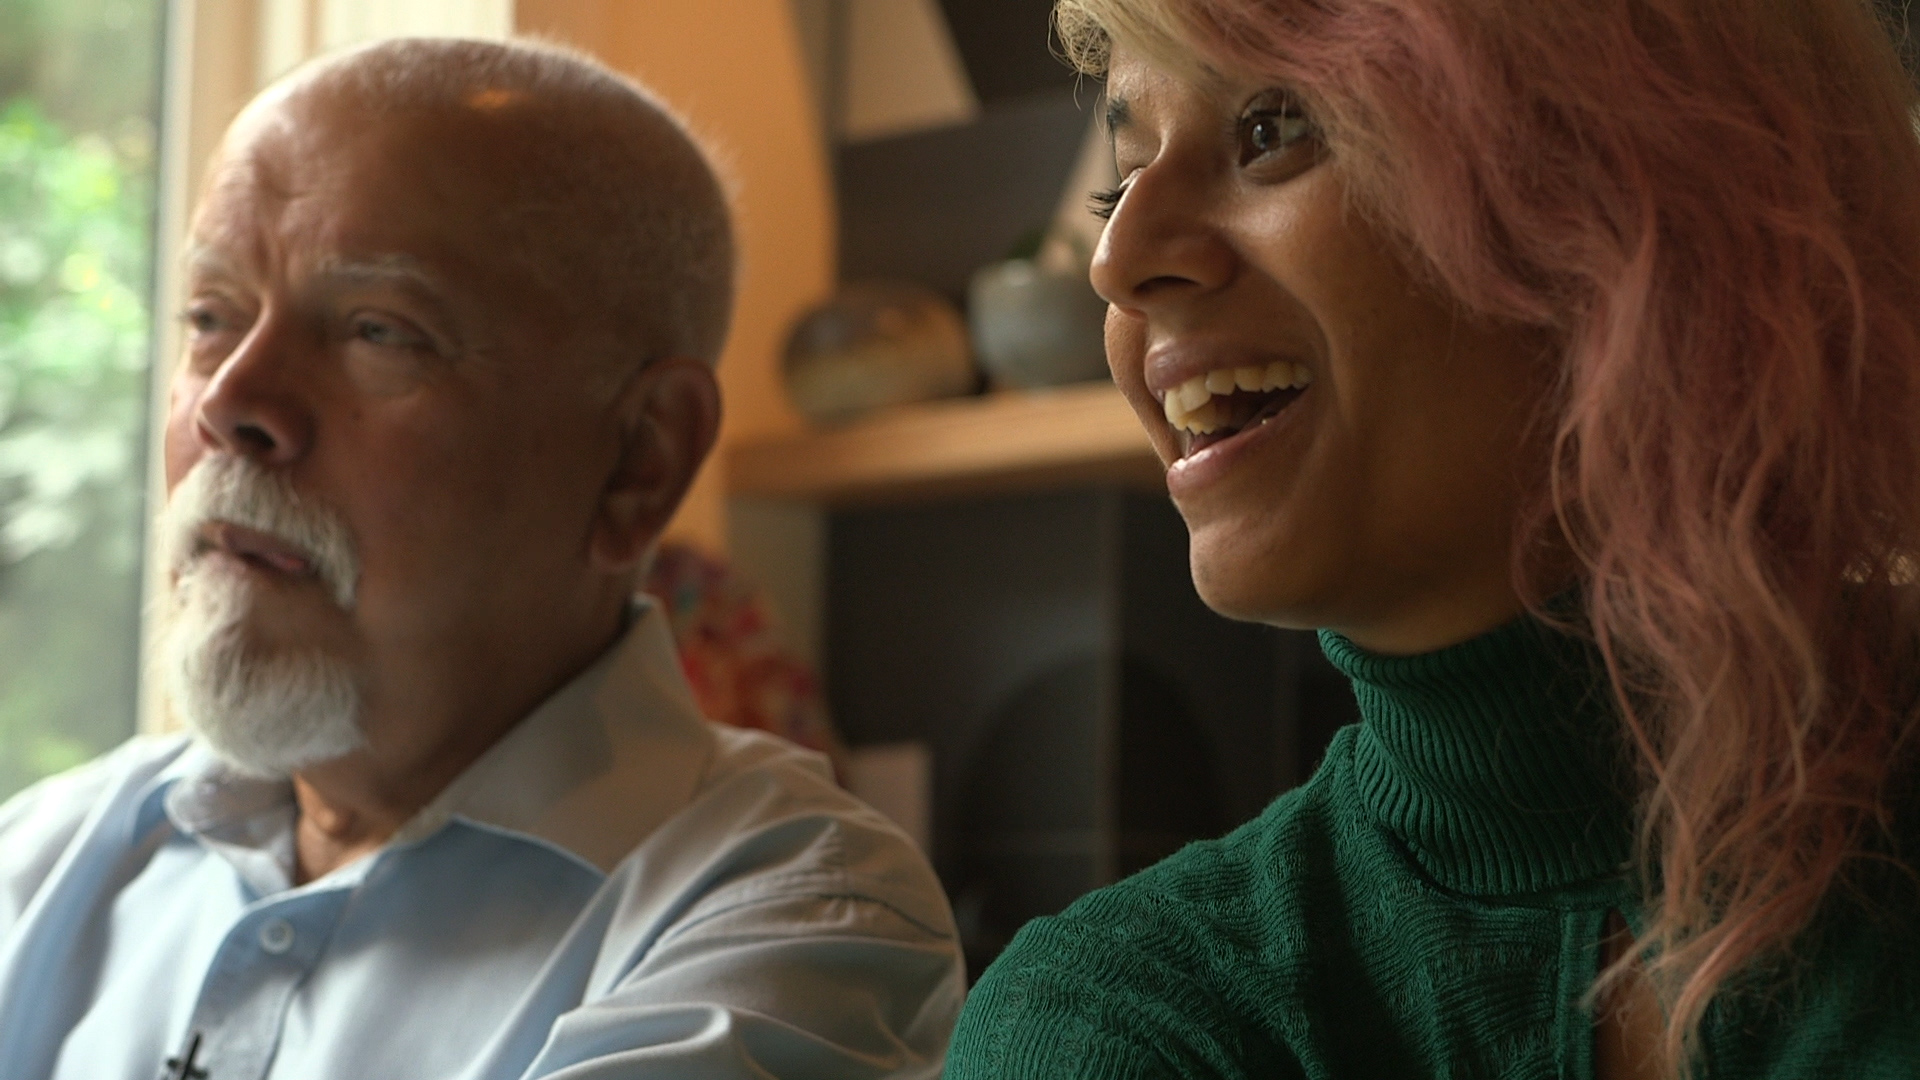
(616, 889)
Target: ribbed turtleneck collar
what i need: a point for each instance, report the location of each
(1497, 760)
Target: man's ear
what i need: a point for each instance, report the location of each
(669, 416)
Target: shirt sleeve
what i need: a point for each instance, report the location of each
(781, 929)
(39, 824)
(798, 986)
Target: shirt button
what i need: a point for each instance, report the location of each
(276, 936)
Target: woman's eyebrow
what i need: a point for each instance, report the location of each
(1117, 116)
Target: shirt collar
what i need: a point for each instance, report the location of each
(592, 771)
(187, 791)
(597, 767)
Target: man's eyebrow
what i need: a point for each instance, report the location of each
(402, 271)
(206, 262)
(391, 269)
(1117, 116)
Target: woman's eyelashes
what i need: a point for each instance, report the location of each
(1273, 125)
(1272, 133)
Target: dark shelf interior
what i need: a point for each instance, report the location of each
(1088, 715)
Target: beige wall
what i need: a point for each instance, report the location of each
(734, 70)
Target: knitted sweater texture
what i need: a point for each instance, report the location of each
(1430, 904)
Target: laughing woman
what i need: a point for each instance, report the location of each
(1596, 458)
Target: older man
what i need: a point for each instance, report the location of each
(447, 809)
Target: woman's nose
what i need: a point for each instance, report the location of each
(1160, 247)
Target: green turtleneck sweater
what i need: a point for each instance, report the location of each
(1430, 904)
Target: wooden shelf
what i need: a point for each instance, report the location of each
(1000, 442)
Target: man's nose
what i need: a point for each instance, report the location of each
(255, 404)
(1160, 246)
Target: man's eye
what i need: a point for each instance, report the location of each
(202, 320)
(387, 335)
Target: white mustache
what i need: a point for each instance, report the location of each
(236, 490)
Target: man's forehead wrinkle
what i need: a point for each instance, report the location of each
(273, 176)
(493, 98)
(248, 186)
(234, 232)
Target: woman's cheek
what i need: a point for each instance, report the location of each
(1125, 345)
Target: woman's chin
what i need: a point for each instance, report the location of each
(1257, 587)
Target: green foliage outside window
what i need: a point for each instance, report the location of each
(76, 196)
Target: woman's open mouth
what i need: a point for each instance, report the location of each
(1212, 408)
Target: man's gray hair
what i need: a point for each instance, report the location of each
(624, 214)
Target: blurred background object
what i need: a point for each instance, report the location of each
(1036, 321)
(1087, 715)
(876, 343)
(896, 778)
(742, 669)
(958, 137)
(937, 200)
(745, 673)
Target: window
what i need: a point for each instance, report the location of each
(79, 105)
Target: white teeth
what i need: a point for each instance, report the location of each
(1205, 420)
(1191, 405)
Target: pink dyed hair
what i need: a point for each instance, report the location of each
(1716, 205)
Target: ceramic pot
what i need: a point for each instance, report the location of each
(1036, 326)
(873, 345)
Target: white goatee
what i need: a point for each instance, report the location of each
(266, 711)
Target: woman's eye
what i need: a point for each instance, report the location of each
(1269, 131)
